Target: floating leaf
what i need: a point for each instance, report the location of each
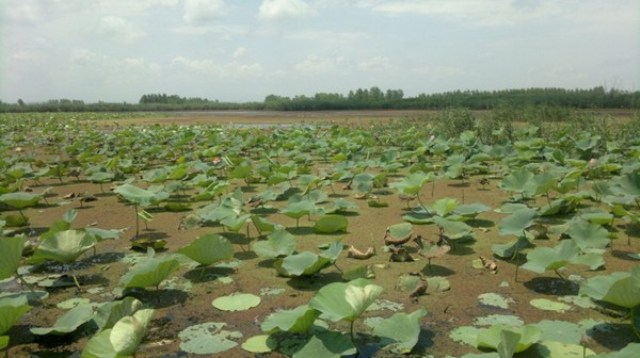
(259, 344)
(508, 320)
(495, 300)
(465, 334)
(548, 305)
(236, 302)
(207, 338)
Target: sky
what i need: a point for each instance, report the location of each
(245, 50)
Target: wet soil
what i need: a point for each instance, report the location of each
(176, 309)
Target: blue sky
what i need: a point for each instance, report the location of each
(118, 50)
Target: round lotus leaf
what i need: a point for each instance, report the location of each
(236, 302)
(259, 344)
(548, 305)
(207, 338)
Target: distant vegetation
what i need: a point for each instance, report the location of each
(370, 99)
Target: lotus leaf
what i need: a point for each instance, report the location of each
(302, 264)
(68, 322)
(495, 300)
(11, 310)
(520, 181)
(139, 196)
(329, 224)
(10, 255)
(412, 184)
(400, 231)
(619, 288)
(259, 344)
(128, 332)
(550, 348)
(542, 259)
(517, 223)
(401, 330)
(332, 301)
(588, 235)
(452, 229)
(207, 338)
(64, 247)
(234, 223)
(149, 272)
(326, 344)
(208, 249)
(549, 305)
(445, 206)
(108, 314)
(20, 200)
(236, 302)
(279, 243)
(520, 338)
(297, 320)
(470, 210)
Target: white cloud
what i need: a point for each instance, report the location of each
(239, 52)
(280, 9)
(314, 65)
(28, 11)
(199, 12)
(375, 64)
(221, 70)
(120, 29)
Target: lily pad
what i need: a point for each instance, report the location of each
(465, 334)
(494, 319)
(548, 305)
(262, 343)
(495, 300)
(236, 302)
(208, 338)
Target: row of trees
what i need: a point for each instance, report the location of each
(372, 98)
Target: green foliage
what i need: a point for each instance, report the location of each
(208, 249)
(150, 272)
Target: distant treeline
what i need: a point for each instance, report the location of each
(372, 98)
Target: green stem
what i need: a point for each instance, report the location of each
(353, 337)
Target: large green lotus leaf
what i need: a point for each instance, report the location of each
(236, 302)
(588, 235)
(64, 247)
(519, 181)
(327, 344)
(138, 196)
(208, 338)
(400, 231)
(279, 243)
(508, 343)
(331, 300)
(629, 184)
(329, 224)
(108, 314)
(401, 330)
(213, 213)
(149, 272)
(362, 183)
(524, 337)
(516, 223)
(20, 200)
(128, 332)
(332, 250)
(360, 298)
(470, 210)
(618, 288)
(301, 264)
(509, 249)
(297, 320)
(11, 310)
(10, 255)
(411, 184)
(263, 225)
(208, 249)
(445, 206)
(235, 223)
(298, 209)
(99, 346)
(452, 229)
(68, 322)
(542, 259)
